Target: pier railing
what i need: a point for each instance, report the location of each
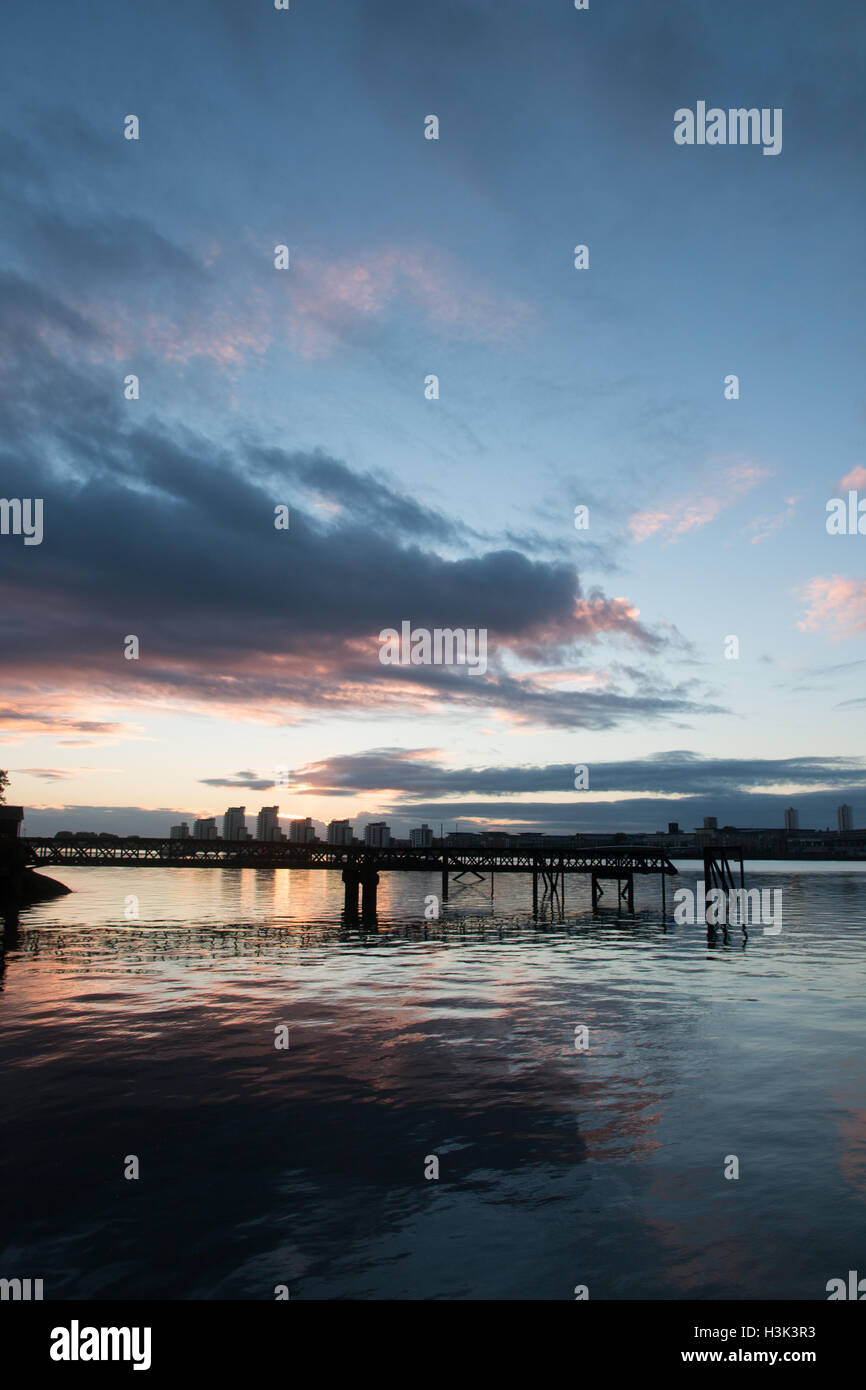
(170, 853)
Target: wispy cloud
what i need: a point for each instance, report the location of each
(765, 526)
(682, 515)
(251, 781)
(20, 720)
(243, 307)
(330, 299)
(56, 774)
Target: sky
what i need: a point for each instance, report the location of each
(609, 647)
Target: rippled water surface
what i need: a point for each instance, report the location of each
(453, 1038)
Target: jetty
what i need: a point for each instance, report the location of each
(612, 869)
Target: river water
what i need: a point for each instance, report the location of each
(415, 1042)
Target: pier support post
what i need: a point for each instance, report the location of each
(709, 872)
(444, 879)
(369, 884)
(709, 882)
(351, 879)
(596, 892)
(535, 892)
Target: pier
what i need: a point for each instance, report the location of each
(361, 866)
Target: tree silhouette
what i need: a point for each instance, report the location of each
(4, 782)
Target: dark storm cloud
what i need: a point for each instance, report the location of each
(674, 773)
(140, 518)
(157, 512)
(142, 515)
(361, 496)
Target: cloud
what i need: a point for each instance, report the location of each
(54, 774)
(856, 478)
(705, 504)
(331, 487)
(234, 306)
(410, 785)
(242, 780)
(329, 301)
(116, 820)
(764, 527)
(675, 773)
(834, 605)
(629, 815)
(156, 292)
(19, 722)
(140, 516)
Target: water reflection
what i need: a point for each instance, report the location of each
(453, 1037)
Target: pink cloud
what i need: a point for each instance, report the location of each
(68, 720)
(325, 675)
(856, 478)
(328, 297)
(227, 336)
(684, 514)
(311, 309)
(606, 614)
(590, 618)
(836, 604)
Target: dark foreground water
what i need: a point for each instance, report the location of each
(452, 1039)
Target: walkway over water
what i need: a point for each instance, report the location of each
(361, 865)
